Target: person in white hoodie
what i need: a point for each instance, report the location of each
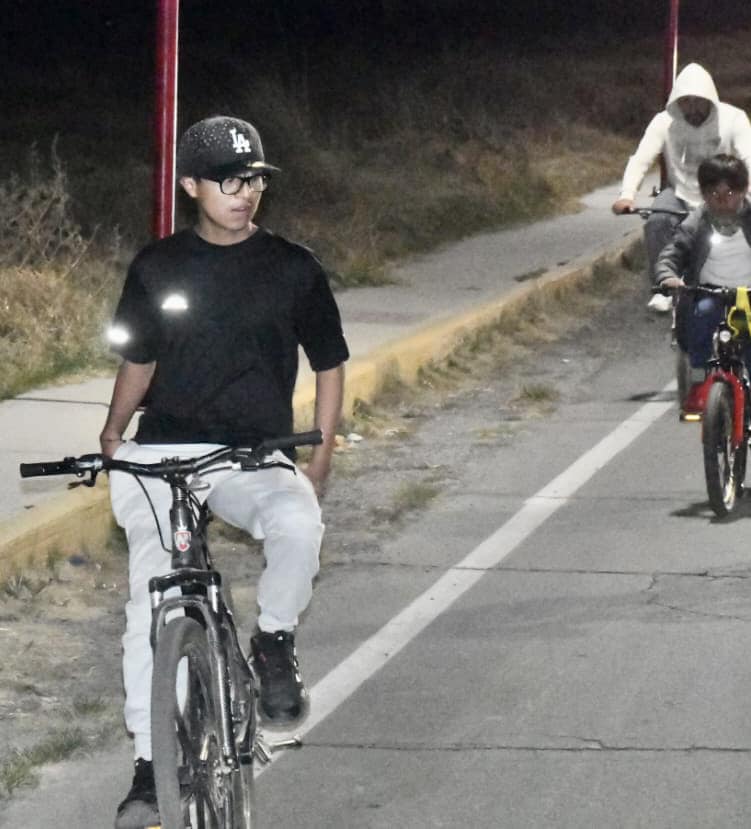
(694, 125)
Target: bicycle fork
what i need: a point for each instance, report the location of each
(208, 612)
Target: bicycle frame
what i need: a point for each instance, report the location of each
(725, 366)
(697, 400)
(200, 596)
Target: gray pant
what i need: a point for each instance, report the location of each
(660, 227)
(274, 504)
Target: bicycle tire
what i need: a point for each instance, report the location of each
(683, 375)
(191, 788)
(724, 467)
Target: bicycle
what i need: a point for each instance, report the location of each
(722, 400)
(682, 366)
(204, 690)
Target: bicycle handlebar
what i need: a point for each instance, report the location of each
(711, 290)
(646, 212)
(249, 459)
(313, 438)
(67, 466)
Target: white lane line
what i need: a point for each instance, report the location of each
(341, 682)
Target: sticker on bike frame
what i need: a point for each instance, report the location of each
(182, 540)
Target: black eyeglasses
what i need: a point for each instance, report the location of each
(719, 194)
(232, 185)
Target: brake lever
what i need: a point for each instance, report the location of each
(281, 464)
(249, 460)
(90, 481)
(252, 461)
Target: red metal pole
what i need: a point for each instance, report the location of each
(669, 68)
(670, 61)
(165, 117)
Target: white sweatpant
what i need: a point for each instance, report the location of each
(274, 504)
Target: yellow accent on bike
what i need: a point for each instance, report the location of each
(739, 316)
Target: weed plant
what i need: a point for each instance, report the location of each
(56, 285)
(20, 768)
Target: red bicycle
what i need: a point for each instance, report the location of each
(722, 400)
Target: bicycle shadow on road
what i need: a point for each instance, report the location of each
(658, 396)
(702, 510)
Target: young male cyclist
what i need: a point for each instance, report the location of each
(711, 247)
(208, 326)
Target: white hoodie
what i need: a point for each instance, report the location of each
(726, 130)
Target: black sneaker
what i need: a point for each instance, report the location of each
(282, 691)
(139, 809)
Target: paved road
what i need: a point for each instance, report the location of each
(594, 676)
(580, 656)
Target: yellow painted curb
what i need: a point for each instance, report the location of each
(403, 358)
(81, 519)
(77, 521)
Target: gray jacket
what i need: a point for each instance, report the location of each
(685, 256)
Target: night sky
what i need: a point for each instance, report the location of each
(40, 31)
(50, 48)
(39, 37)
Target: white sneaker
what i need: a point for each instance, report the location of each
(660, 303)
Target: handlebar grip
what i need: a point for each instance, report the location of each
(67, 466)
(301, 439)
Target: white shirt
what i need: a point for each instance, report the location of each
(729, 261)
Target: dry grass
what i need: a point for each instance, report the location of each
(36, 226)
(444, 189)
(410, 496)
(48, 327)
(56, 286)
(462, 143)
(20, 769)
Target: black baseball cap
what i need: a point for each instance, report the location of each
(221, 146)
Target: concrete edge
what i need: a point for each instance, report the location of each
(80, 519)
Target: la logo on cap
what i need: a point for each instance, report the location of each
(239, 141)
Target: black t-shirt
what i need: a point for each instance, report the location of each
(223, 323)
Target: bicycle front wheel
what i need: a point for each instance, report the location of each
(724, 465)
(193, 786)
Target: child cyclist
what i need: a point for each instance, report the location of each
(711, 247)
(208, 326)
